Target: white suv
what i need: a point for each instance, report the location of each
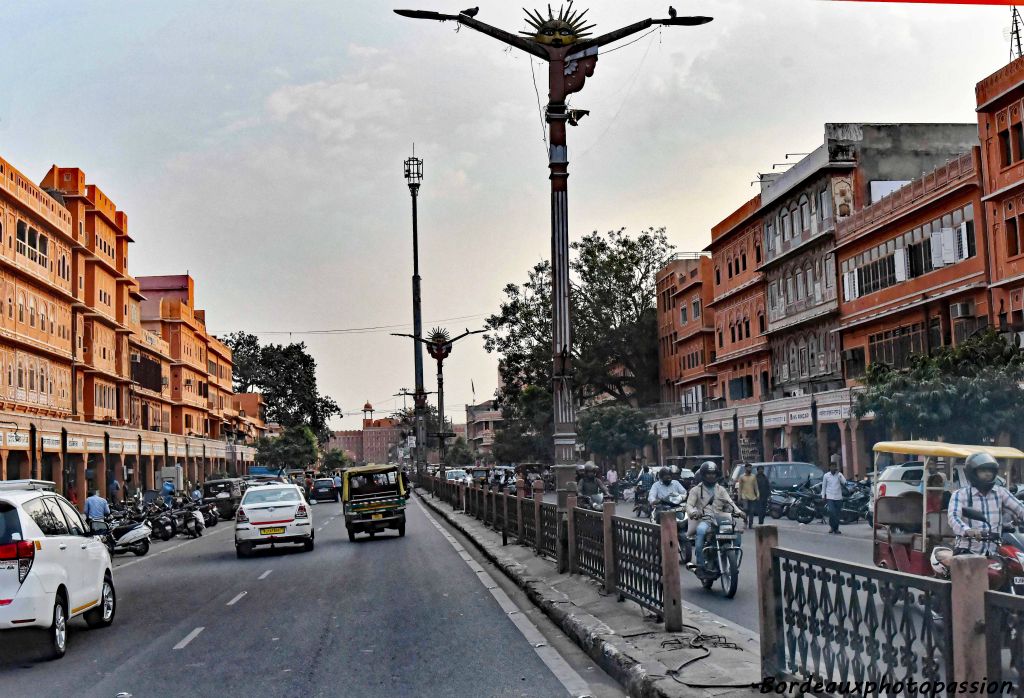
(270, 515)
(51, 568)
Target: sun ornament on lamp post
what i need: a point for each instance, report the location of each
(565, 41)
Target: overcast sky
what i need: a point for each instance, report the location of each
(259, 145)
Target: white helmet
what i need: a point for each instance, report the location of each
(940, 560)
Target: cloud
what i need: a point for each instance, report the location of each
(358, 51)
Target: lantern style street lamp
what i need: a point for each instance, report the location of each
(413, 177)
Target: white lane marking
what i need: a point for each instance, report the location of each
(555, 662)
(238, 598)
(188, 638)
(150, 556)
(265, 574)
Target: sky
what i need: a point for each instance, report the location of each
(259, 145)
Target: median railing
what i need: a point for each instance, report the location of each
(633, 559)
(1004, 639)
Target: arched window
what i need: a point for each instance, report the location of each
(32, 375)
(32, 311)
(787, 225)
(21, 307)
(805, 213)
(21, 374)
(799, 285)
(760, 323)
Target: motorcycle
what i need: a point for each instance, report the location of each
(594, 502)
(124, 535)
(674, 504)
(722, 553)
(1006, 563)
(779, 503)
(641, 507)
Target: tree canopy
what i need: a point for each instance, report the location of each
(336, 459)
(458, 453)
(970, 393)
(614, 430)
(614, 325)
(286, 375)
(295, 448)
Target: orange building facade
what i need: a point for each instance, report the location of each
(85, 388)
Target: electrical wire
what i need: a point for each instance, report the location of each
(356, 330)
(540, 111)
(629, 43)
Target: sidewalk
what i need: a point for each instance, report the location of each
(710, 657)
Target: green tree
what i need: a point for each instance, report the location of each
(458, 454)
(286, 375)
(614, 430)
(336, 459)
(295, 448)
(968, 393)
(407, 419)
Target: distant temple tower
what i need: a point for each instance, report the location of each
(367, 415)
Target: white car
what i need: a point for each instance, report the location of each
(456, 475)
(51, 568)
(273, 514)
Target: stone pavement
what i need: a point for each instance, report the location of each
(710, 657)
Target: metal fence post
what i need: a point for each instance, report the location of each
(570, 512)
(969, 574)
(767, 538)
(671, 588)
(520, 495)
(504, 518)
(609, 547)
(538, 499)
(485, 490)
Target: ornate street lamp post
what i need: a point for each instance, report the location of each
(561, 40)
(439, 346)
(413, 176)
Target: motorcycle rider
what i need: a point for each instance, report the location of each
(590, 484)
(707, 497)
(982, 493)
(664, 487)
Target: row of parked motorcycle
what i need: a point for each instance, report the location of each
(804, 503)
(132, 526)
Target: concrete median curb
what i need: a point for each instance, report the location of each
(636, 668)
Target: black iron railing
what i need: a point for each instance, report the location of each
(513, 517)
(529, 523)
(589, 530)
(638, 562)
(498, 519)
(548, 528)
(840, 621)
(1004, 639)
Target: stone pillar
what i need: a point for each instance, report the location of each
(58, 474)
(78, 463)
(821, 435)
(3, 464)
(789, 441)
(858, 449)
(727, 455)
(969, 574)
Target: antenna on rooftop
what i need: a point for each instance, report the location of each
(1013, 34)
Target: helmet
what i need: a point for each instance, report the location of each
(709, 471)
(674, 469)
(589, 468)
(940, 559)
(981, 470)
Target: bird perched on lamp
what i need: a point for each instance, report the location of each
(471, 12)
(671, 12)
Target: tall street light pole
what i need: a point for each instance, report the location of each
(413, 176)
(439, 346)
(561, 40)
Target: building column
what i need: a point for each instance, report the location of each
(858, 448)
(3, 464)
(58, 474)
(821, 436)
(726, 451)
(78, 463)
(788, 431)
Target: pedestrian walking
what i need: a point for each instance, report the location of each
(96, 507)
(764, 490)
(832, 485)
(749, 495)
(612, 476)
(114, 489)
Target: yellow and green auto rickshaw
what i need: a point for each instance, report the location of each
(374, 499)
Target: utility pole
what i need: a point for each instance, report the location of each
(413, 177)
(562, 41)
(439, 346)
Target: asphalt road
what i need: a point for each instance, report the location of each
(854, 545)
(416, 616)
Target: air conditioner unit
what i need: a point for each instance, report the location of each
(959, 310)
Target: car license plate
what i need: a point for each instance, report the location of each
(377, 516)
(272, 531)
(1018, 580)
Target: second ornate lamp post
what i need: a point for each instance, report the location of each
(413, 176)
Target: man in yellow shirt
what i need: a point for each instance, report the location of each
(749, 493)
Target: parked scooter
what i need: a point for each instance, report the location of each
(124, 536)
(779, 502)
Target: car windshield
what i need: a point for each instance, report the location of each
(269, 495)
(455, 474)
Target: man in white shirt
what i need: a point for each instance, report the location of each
(611, 477)
(832, 490)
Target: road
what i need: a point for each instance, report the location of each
(413, 616)
(854, 545)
